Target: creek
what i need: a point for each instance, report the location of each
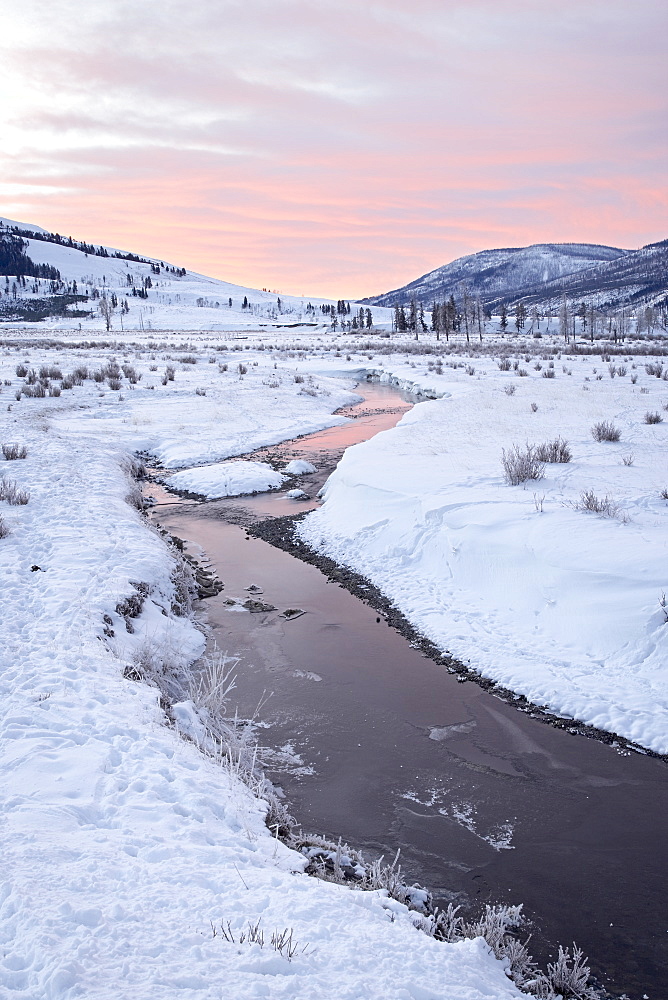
(375, 743)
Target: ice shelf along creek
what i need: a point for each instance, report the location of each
(375, 743)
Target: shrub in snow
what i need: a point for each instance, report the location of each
(200, 392)
(243, 369)
(654, 368)
(4, 530)
(521, 464)
(569, 976)
(14, 451)
(112, 370)
(10, 492)
(299, 378)
(548, 373)
(605, 431)
(135, 497)
(21, 370)
(185, 587)
(280, 941)
(597, 505)
(189, 359)
(211, 682)
(653, 418)
(554, 451)
(115, 384)
(663, 604)
(509, 390)
(628, 459)
(504, 365)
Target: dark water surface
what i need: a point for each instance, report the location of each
(386, 749)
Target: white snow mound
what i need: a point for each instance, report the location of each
(299, 467)
(227, 479)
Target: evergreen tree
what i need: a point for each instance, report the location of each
(401, 321)
(520, 316)
(412, 316)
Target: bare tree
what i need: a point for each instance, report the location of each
(106, 310)
(564, 318)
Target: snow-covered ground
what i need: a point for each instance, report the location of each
(121, 843)
(556, 603)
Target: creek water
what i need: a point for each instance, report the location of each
(375, 743)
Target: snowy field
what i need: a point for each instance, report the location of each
(555, 602)
(121, 843)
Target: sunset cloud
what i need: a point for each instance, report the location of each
(329, 146)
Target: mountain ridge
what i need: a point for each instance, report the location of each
(541, 274)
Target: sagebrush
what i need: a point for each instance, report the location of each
(605, 431)
(554, 451)
(521, 464)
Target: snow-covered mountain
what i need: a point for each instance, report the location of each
(637, 278)
(69, 281)
(494, 274)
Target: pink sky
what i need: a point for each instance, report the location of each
(331, 146)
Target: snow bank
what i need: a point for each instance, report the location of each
(299, 467)
(227, 479)
(557, 604)
(237, 415)
(121, 843)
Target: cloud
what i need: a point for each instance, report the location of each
(331, 146)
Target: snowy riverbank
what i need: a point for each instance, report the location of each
(553, 602)
(121, 843)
